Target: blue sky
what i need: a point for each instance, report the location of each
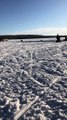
(33, 16)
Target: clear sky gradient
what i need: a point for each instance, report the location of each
(33, 16)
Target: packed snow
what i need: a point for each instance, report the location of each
(33, 81)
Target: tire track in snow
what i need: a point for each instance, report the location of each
(23, 110)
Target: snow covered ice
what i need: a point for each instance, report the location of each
(34, 74)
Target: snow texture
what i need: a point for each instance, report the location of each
(29, 71)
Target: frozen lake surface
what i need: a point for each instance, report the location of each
(33, 81)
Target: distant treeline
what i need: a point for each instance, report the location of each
(22, 36)
(2, 37)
